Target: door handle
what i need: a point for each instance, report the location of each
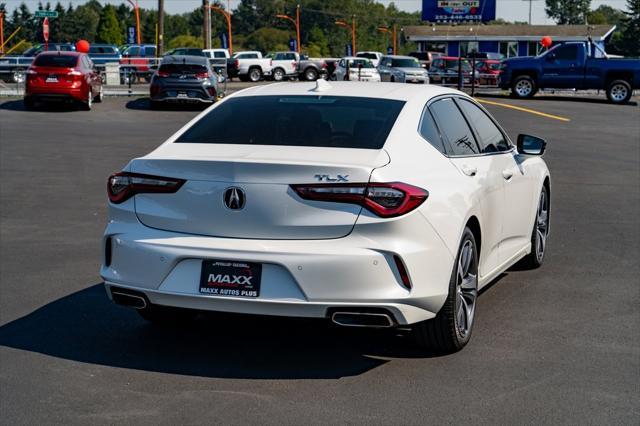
(507, 174)
(469, 171)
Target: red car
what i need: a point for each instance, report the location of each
(489, 70)
(62, 76)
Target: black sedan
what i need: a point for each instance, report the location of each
(184, 79)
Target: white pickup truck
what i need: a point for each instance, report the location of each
(284, 65)
(251, 66)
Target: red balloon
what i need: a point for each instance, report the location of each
(546, 41)
(82, 46)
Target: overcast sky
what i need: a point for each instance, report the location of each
(510, 10)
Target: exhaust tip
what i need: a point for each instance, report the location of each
(129, 298)
(362, 319)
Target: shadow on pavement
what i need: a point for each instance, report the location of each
(144, 104)
(18, 105)
(559, 97)
(87, 327)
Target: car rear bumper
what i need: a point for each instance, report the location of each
(305, 278)
(53, 94)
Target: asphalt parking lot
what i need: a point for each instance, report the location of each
(558, 345)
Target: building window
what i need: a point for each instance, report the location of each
(434, 46)
(509, 48)
(467, 47)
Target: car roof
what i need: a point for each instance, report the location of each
(184, 59)
(349, 88)
(62, 53)
(399, 57)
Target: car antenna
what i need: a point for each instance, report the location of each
(322, 86)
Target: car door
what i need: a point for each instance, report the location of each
(518, 185)
(562, 67)
(486, 184)
(384, 68)
(340, 70)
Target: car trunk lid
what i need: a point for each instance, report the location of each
(242, 191)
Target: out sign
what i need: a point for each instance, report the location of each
(45, 29)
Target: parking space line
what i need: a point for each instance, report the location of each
(530, 111)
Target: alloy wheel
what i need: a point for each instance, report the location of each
(619, 92)
(524, 88)
(542, 225)
(466, 288)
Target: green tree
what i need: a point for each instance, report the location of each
(268, 40)
(109, 30)
(185, 41)
(84, 22)
(606, 15)
(629, 42)
(568, 11)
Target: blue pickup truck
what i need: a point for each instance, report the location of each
(571, 65)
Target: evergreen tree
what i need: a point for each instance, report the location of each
(109, 30)
(629, 42)
(568, 11)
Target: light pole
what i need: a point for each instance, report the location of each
(393, 34)
(342, 23)
(296, 23)
(137, 10)
(227, 16)
(1, 32)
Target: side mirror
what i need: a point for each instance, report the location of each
(551, 57)
(531, 145)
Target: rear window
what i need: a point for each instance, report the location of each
(183, 68)
(367, 55)
(405, 63)
(324, 121)
(56, 61)
(453, 63)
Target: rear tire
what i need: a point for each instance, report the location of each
(451, 329)
(166, 315)
(255, 75)
(278, 74)
(88, 104)
(619, 92)
(524, 87)
(539, 234)
(100, 96)
(310, 74)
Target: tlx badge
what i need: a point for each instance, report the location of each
(328, 178)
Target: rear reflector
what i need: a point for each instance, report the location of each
(122, 186)
(404, 276)
(384, 199)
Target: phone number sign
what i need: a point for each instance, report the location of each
(447, 11)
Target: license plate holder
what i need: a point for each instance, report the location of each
(52, 79)
(230, 278)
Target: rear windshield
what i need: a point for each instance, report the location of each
(367, 55)
(365, 63)
(453, 63)
(325, 121)
(183, 68)
(405, 63)
(56, 61)
(191, 52)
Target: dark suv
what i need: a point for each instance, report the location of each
(185, 80)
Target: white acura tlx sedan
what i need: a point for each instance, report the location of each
(379, 205)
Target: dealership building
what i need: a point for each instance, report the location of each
(509, 40)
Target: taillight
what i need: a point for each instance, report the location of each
(236, 63)
(163, 74)
(324, 65)
(383, 199)
(31, 71)
(122, 186)
(74, 73)
(202, 75)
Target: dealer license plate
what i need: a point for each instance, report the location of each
(52, 79)
(230, 278)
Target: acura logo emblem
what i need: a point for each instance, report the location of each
(234, 198)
